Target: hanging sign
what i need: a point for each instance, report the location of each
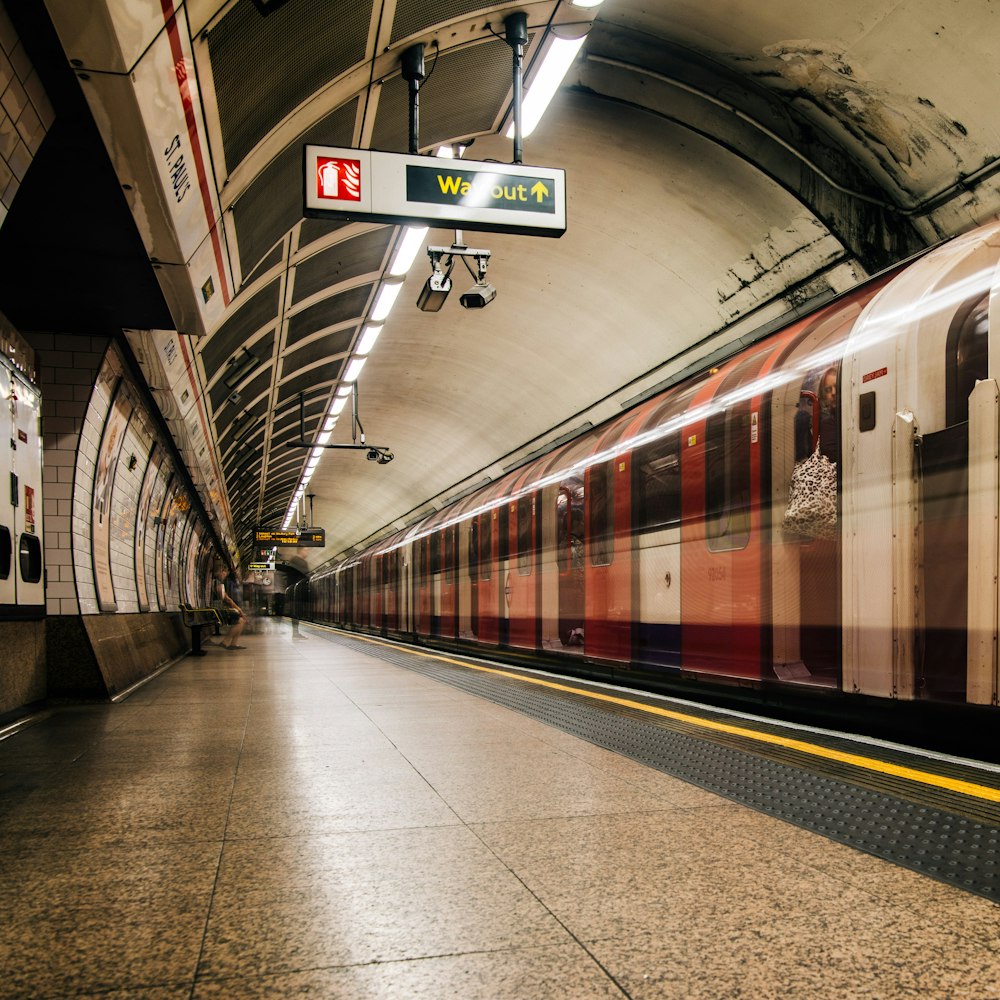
(370, 186)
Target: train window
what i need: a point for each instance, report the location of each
(485, 546)
(435, 557)
(30, 558)
(6, 548)
(562, 527)
(524, 538)
(727, 478)
(602, 509)
(503, 546)
(656, 475)
(474, 548)
(967, 347)
(450, 553)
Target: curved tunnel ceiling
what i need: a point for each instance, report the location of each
(727, 164)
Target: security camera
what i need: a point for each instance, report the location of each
(372, 455)
(385, 458)
(481, 294)
(435, 291)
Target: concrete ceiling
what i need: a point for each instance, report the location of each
(727, 165)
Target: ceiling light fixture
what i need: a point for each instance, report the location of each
(555, 65)
(368, 339)
(409, 247)
(354, 369)
(385, 301)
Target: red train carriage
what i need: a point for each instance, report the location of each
(658, 544)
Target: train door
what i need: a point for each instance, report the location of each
(570, 560)
(521, 587)
(503, 573)
(656, 529)
(465, 571)
(487, 586)
(944, 466)
(449, 582)
(723, 606)
(405, 588)
(806, 416)
(608, 554)
(422, 605)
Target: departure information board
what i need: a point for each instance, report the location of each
(305, 538)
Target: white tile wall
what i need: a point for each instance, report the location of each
(78, 377)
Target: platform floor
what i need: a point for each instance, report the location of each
(302, 818)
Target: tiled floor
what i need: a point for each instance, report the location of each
(299, 819)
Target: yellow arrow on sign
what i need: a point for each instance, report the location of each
(540, 191)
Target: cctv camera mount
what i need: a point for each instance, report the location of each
(438, 285)
(375, 452)
(444, 257)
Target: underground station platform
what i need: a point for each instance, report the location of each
(331, 815)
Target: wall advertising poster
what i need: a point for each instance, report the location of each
(176, 512)
(104, 481)
(163, 506)
(191, 580)
(143, 517)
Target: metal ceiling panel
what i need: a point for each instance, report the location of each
(236, 443)
(364, 254)
(317, 350)
(272, 204)
(315, 229)
(226, 412)
(337, 309)
(308, 380)
(415, 16)
(265, 265)
(480, 74)
(249, 318)
(264, 67)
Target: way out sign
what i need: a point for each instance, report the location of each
(368, 186)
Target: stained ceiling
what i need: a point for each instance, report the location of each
(728, 164)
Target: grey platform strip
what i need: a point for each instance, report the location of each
(944, 845)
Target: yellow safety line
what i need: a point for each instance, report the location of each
(814, 750)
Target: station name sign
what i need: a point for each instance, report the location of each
(261, 567)
(315, 537)
(366, 185)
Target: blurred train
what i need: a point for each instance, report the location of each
(654, 550)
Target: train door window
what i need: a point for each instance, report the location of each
(524, 538)
(503, 518)
(656, 471)
(967, 360)
(450, 553)
(30, 558)
(474, 548)
(485, 545)
(6, 548)
(727, 478)
(563, 549)
(602, 509)
(435, 555)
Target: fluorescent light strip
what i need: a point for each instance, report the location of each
(410, 246)
(368, 339)
(546, 82)
(354, 369)
(385, 301)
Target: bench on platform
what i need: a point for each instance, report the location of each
(196, 619)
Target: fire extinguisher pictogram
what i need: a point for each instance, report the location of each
(338, 179)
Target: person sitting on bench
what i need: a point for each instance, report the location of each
(229, 611)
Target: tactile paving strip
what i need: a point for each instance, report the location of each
(944, 845)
